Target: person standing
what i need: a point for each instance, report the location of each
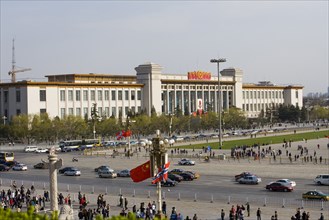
(259, 214)
(321, 216)
(164, 207)
(248, 209)
(222, 214)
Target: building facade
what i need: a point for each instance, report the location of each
(114, 95)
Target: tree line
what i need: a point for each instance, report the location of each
(41, 128)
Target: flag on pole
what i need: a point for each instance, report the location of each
(162, 174)
(141, 173)
(120, 135)
(127, 133)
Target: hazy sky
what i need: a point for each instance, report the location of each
(285, 42)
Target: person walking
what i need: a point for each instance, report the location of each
(248, 209)
(259, 214)
(222, 214)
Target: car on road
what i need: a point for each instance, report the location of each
(40, 166)
(175, 177)
(30, 148)
(124, 173)
(168, 183)
(287, 181)
(314, 194)
(322, 179)
(249, 180)
(73, 172)
(20, 167)
(186, 162)
(243, 174)
(177, 171)
(4, 167)
(277, 186)
(195, 174)
(107, 174)
(41, 150)
(187, 176)
(103, 168)
(63, 170)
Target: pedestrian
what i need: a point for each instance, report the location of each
(275, 215)
(164, 207)
(222, 214)
(259, 214)
(121, 201)
(321, 216)
(195, 217)
(248, 209)
(126, 203)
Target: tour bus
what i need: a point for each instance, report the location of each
(89, 143)
(6, 156)
(70, 145)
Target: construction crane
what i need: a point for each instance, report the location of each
(13, 66)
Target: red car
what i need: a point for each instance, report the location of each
(277, 186)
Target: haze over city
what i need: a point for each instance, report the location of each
(282, 42)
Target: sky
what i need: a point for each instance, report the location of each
(285, 42)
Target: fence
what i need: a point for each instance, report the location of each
(167, 194)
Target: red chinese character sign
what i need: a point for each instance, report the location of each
(199, 75)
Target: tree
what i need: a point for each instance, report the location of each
(235, 118)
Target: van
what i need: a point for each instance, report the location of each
(322, 179)
(30, 149)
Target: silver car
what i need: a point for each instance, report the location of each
(249, 180)
(107, 174)
(72, 172)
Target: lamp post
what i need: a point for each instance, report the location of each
(158, 158)
(220, 60)
(4, 120)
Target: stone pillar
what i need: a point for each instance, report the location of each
(53, 165)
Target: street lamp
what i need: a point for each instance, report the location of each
(4, 120)
(220, 60)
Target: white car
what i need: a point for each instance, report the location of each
(72, 172)
(249, 180)
(30, 148)
(322, 179)
(287, 181)
(186, 162)
(20, 167)
(41, 150)
(107, 174)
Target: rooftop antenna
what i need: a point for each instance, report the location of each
(13, 65)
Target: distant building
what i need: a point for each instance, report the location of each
(75, 94)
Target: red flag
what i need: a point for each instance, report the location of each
(162, 174)
(127, 133)
(141, 173)
(120, 134)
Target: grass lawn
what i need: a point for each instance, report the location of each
(262, 140)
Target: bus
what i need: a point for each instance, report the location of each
(70, 145)
(6, 156)
(90, 143)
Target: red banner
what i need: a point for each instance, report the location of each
(199, 75)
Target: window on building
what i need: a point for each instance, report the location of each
(5, 96)
(251, 107)
(273, 95)
(247, 94)
(18, 95)
(70, 111)
(85, 95)
(255, 94)
(139, 109)
(296, 94)
(107, 111)
(243, 107)
(120, 95)
(132, 95)
(120, 111)
(259, 108)
(42, 95)
(92, 95)
(100, 95)
(114, 112)
(18, 111)
(126, 95)
(113, 95)
(269, 94)
(107, 95)
(85, 112)
(255, 107)
(126, 111)
(262, 94)
(63, 112)
(133, 109)
(77, 95)
(139, 95)
(265, 94)
(243, 94)
(42, 110)
(276, 94)
(62, 95)
(251, 94)
(70, 95)
(247, 107)
(100, 111)
(78, 111)
(258, 94)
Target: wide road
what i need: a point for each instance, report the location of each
(216, 181)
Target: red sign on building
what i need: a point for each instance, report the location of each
(199, 75)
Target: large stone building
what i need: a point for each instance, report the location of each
(75, 94)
